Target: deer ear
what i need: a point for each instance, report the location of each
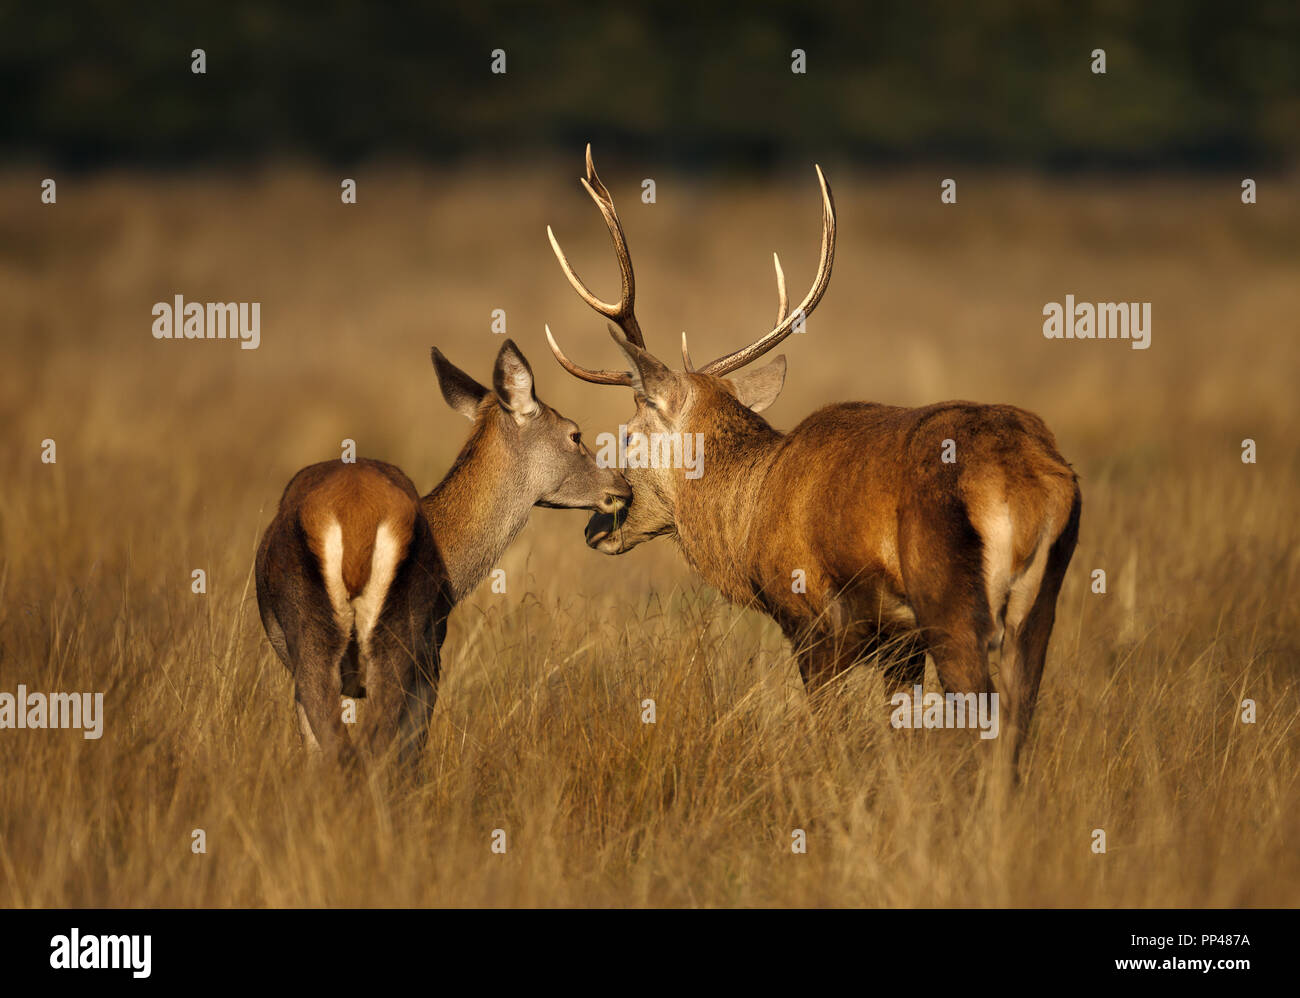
(513, 380)
(757, 389)
(461, 391)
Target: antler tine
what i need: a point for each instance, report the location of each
(623, 312)
(728, 363)
(594, 180)
(686, 353)
(782, 299)
(595, 377)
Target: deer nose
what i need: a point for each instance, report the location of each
(618, 494)
(615, 501)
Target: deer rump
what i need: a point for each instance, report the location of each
(349, 580)
(893, 538)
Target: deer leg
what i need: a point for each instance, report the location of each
(957, 626)
(426, 615)
(275, 633)
(817, 662)
(403, 676)
(427, 631)
(904, 662)
(317, 688)
(387, 669)
(948, 595)
(417, 710)
(962, 660)
(824, 648)
(304, 729)
(1026, 647)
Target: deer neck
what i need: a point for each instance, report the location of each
(715, 513)
(478, 508)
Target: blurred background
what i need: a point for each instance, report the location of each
(1188, 84)
(172, 455)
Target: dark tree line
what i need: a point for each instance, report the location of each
(1188, 84)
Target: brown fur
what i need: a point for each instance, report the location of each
(899, 551)
(520, 453)
(398, 671)
(360, 497)
(890, 538)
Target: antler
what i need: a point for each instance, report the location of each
(782, 308)
(782, 299)
(622, 313)
(595, 377)
(785, 322)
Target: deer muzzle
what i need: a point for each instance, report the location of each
(603, 525)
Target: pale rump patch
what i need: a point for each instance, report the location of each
(998, 535)
(388, 552)
(1024, 588)
(1023, 594)
(360, 612)
(1020, 600)
(331, 554)
(358, 616)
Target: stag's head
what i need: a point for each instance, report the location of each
(674, 406)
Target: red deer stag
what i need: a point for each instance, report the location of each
(896, 548)
(356, 574)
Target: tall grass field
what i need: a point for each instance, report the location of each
(171, 457)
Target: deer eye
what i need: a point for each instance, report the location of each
(576, 438)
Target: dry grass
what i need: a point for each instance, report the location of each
(172, 456)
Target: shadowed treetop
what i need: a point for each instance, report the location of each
(1188, 85)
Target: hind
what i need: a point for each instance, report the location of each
(326, 574)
